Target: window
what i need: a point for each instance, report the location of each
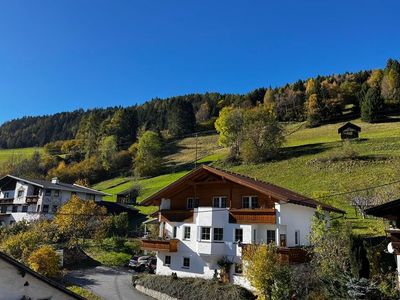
(238, 268)
(25, 208)
(192, 202)
(254, 236)
(186, 262)
(55, 208)
(20, 193)
(90, 196)
(205, 233)
(219, 202)
(45, 208)
(47, 192)
(6, 194)
(271, 236)
(218, 234)
(167, 260)
(175, 229)
(282, 238)
(14, 208)
(239, 235)
(186, 233)
(297, 237)
(56, 193)
(250, 201)
(4, 209)
(38, 208)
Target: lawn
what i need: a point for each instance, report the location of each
(313, 163)
(8, 154)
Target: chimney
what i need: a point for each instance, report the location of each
(55, 180)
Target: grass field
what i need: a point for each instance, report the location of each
(8, 154)
(315, 163)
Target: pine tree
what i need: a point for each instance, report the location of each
(372, 105)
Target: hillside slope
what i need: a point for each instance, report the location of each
(314, 162)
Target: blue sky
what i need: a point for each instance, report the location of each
(60, 55)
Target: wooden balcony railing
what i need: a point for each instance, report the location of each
(288, 255)
(160, 245)
(6, 200)
(31, 199)
(172, 215)
(253, 216)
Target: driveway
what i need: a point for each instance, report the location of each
(108, 283)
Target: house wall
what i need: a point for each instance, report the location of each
(14, 286)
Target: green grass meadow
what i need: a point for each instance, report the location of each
(313, 163)
(9, 154)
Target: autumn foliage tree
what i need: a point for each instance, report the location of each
(78, 219)
(45, 261)
(148, 160)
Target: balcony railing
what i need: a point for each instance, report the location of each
(170, 215)
(6, 200)
(32, 199)
(253, 216)
(289, 255)
(160, 245)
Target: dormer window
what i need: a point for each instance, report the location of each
(20, 193)
(192, 202)
(250, 201)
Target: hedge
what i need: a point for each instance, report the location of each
(193, 288)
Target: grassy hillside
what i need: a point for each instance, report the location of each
(314, 162)
(7, 154)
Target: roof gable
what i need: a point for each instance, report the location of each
(262, 187)
(349, 125)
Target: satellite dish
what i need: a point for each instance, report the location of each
(390, 248)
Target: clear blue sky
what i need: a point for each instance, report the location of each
(61, 55)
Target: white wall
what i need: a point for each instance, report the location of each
(14, 286)
(296, 217)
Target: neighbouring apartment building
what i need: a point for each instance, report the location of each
(211, 213)
(30, 199)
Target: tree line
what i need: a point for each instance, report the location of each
(317, 100)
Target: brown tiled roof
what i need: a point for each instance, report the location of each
(278, 192)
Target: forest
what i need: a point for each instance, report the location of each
(319, 100)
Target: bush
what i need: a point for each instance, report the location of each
(194, 288)
(45, 261)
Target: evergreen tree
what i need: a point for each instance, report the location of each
(372, 106)
(181, 118)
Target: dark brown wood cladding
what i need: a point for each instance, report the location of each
(160, 245)
(252, 216)
(176, 216)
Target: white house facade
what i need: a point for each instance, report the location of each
(211, 214)
(31, 199)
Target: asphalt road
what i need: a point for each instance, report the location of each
(108, 283)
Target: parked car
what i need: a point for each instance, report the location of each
(151, 265)
(140, 264)
(133, 261)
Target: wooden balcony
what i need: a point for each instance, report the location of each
(6, 200)
(169, 215)
(288, 255)
(253, 216)
(32, 199)
(160, 245)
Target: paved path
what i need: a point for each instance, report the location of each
(108, 283)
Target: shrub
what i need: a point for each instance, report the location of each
(194, 288)
(45, 261)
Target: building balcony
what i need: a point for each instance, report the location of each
(170, 215)
(6, 200)
(32, 199)
(160, 245)
(294, 255)
(253, 216)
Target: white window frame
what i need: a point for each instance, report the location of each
(201, 234)
(174, 232)
(220, 201)
(251, 202)
(184, 232)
